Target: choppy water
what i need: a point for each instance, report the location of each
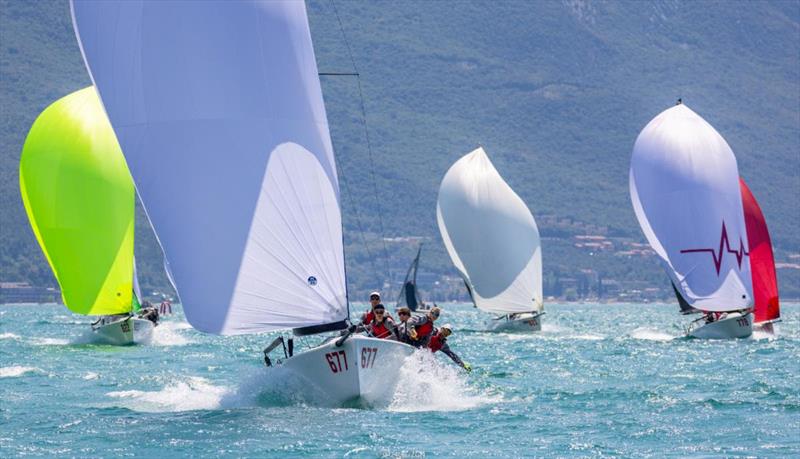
(599, 380)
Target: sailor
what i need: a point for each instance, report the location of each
(382, 326)
(438, 342)
(423, 325)
(374, 300)
(405, 332)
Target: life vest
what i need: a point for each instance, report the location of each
(436, 343)
(369, 316)
(424, 330)
(380, 330)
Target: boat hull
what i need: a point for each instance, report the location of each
(527, 322)
(734, 325)
(124, 332)
(362, 371)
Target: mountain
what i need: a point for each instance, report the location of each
(556, 92)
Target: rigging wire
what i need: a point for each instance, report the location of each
(369, 143)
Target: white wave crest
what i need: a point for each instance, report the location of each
(50, 341)
(651, 334)
(8, 336)
(17, 371)
(192, 393)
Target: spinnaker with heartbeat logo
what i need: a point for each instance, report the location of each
(684, 185)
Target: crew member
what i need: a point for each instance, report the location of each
(374, 300)
(405, 332)
(438, 342)
(382, 326)
(423, 325)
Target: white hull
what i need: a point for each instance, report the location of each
(362, 371)
(123, 332)
(529, 322)
(733, 325)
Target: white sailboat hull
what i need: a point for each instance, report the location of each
(361, 371)
(527, 322)
(124, 331)
(734, 325)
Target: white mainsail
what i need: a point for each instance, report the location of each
(219, 112)
(684, 184)
(491, 236)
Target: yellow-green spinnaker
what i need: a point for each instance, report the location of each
(80, 201)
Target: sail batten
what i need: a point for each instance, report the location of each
(685, 193)
(491, 237)
(219, 110)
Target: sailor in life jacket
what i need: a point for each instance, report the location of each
(438, 342)
(404, 332)
(382, 326)
(423, 327)
(374, 301)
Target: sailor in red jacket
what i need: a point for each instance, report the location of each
(382, 326)
(422, 327)
(369, 316)
(438, 342)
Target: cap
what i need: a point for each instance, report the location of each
(446, 326)
(378, 294)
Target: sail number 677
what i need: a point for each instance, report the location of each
(368, 355)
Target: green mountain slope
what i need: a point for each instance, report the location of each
(555, 92)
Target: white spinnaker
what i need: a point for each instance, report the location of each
(491, 236)
(684, 184)
(219, 111)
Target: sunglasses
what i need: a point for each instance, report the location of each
(380, 311)
(374, 298)
(403, 314)
(435, 314)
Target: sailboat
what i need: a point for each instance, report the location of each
(684, 185)
(80, 202)
(218, 108)
(493, 241)
(766, 310)
(409, 294)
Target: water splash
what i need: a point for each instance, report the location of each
(425, 384)
(651, 334)
(17, 371)
(166, 334)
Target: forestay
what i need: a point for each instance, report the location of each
(491, 236)
(80, 201)
(684, 184)
(762, 261)
(219, 111)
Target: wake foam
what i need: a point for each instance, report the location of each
(8, 336)
(17, 371)
(166, 334)
(192, 393)
(426, 384)
(650, 334)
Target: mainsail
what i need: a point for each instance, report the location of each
(219, 111)
(491, 236)
(80, 201)
(409, 295)
(684, 184)
(762, 261)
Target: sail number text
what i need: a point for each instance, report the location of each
(335, 360)
(743, 322)
(368, 355)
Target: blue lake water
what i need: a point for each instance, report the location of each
(613, 380)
